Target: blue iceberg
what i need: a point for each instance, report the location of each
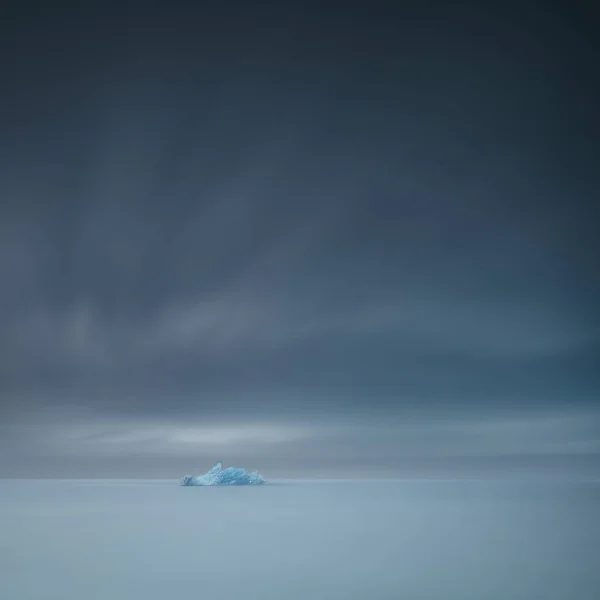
(220, 476)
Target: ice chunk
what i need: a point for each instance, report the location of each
(220, 476)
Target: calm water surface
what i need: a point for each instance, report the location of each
(414, 540)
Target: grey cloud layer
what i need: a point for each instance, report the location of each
(270, 235)
(398, 444)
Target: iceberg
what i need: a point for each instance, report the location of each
(220, 476)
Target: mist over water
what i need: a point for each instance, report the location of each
(426, 540)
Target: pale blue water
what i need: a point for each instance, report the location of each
(117, 540)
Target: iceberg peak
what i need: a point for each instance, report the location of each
(217, 475)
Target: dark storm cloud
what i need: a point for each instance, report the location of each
(287, 222)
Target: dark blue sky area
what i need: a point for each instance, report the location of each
(358, 237)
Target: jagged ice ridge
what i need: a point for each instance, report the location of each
(220, 476)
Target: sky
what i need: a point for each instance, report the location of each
(336, 240)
